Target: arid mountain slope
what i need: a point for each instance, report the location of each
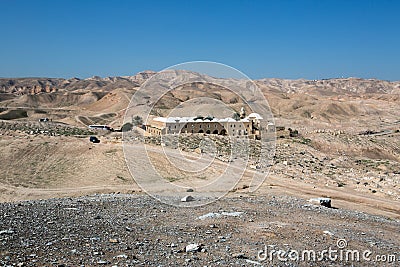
(347, 145)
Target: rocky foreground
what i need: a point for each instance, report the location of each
(136, 230)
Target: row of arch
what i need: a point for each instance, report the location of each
(223, 132)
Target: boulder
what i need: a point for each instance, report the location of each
(323, 201)
(187, 198)
(192, 247)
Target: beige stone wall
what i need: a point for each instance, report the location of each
(150, 130)
(236, 128)
(204, 127)
(231, 128)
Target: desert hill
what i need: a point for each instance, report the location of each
(328, 100)
(350, 105)
(348, 133)
(335, 86)
(325, 87)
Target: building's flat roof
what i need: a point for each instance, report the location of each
(98, 126)
(195, 119)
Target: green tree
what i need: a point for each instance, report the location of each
(236, 116)
(137, 120)
(127, 127)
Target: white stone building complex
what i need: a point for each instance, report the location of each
(248, 126)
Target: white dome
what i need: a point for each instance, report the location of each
(255, 115)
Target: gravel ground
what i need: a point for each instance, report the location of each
(136, 230)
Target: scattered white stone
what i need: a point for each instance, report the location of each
(328, 233)
(71, 208)
(122, 256)
(187, 199)
(209, 215)
(192, 247)
(217, 215)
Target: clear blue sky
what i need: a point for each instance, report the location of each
(283, 39)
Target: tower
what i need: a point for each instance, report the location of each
(242, 113)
